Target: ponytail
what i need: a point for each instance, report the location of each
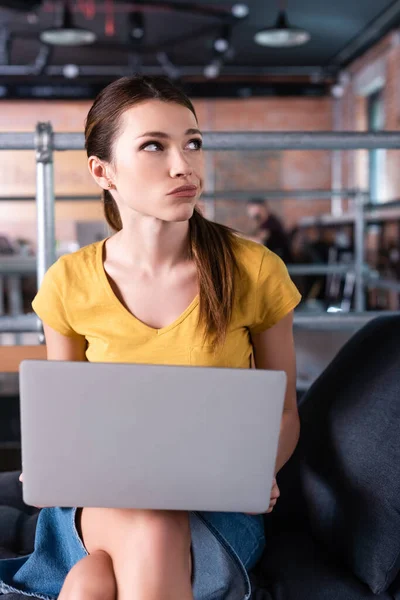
(212, 247)
(111, 211)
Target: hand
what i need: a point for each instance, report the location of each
(21, 478)
(275, 493)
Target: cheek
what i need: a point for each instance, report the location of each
(199, 166)
(135, 172)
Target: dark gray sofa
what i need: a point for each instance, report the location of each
(335, 533)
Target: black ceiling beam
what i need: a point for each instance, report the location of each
(372, 33)
(185, 70)
(21, 5)
(76, 90)
(4, 45)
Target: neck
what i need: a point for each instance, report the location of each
(153, 245)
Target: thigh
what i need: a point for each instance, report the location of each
(108, 528)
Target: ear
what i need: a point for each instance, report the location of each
(99, 172)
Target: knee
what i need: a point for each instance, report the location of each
(155, 532)
(160, 531)
(92, 578)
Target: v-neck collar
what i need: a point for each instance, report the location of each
(129, 315)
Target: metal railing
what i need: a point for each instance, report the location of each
(45, 142)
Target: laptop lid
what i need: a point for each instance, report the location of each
(149, 436)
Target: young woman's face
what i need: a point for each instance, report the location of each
(158, 149)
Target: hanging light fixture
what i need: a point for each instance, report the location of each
(282, 34)
(67, 34)
(222, 41)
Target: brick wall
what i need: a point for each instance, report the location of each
(228, 170)
(380, 64)
(271, 170)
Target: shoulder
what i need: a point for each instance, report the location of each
(253, 258)
(265, 287)
(76, 264)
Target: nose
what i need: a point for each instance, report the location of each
(180, 165)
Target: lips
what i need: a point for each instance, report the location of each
(189, 189)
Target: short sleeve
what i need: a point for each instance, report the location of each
(276, 294)
(49, 302)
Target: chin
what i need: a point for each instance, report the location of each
(180, 213)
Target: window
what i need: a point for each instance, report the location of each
(376, 122)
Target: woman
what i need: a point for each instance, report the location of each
(168, 287)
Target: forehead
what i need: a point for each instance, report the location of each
(255, 207)
(155, 115)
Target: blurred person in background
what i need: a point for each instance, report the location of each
(268, 229)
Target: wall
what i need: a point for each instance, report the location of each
(228, 170)
(272, 170)
(17, 170)
(378, 68)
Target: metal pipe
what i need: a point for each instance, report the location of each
(209, 197)
(336, 201)
(214, 195)
(17, 265)
(10, 265)
(280, 194)
(2, 290)
(395, 203)
(384, 284)
(323, 321)
(359, 251)
(14, 294)
(19, 323)
(308, 140)
(79, 198)
(337, 322)
(301, 141)
(46, 253)
(17, 141)
(390, 213)
(340, 269)
(185, 71)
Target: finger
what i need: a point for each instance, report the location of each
(275, 492)
(21, 477)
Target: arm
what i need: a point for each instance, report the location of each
(274, 350)
(62, 347)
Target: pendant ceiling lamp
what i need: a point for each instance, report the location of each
(282, 34)
(67, 34)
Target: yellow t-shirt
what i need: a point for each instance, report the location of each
(76, 299)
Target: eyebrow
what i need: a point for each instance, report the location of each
(161, 134)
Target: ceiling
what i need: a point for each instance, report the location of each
(178, 41)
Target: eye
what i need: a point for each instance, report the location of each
(151, 146)
(197, 143)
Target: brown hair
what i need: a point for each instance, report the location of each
(211, 245)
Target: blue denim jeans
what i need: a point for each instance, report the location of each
(224, 547)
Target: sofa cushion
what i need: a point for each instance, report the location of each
(295, 567)
(349, 454)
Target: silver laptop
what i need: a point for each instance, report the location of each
(153, 437)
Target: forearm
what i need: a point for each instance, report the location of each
(289, 436)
